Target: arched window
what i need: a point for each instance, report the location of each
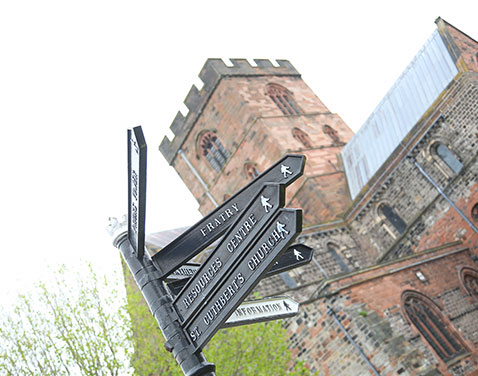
(469, 280)
(333, 251)
(332, 133)
(302, 137)
(213, 150)
(447, 157)
(392, 217)
(283, 99)
(474, 212)
(250, 170)
(427, 318)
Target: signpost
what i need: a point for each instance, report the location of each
(257, 233)
(136, 189)
(295, 256)
(211, 227)
(255, 311)
(230, 250)
(244, 276)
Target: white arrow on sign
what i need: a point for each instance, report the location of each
(262, 310)
(298, 255)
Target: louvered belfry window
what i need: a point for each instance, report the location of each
(283, 99)
(213, 150)
(251, 170)
(332, 133)
(302, 137)
(429, 321)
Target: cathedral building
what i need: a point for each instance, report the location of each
(391, 211)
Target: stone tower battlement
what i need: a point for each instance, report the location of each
(211, 74)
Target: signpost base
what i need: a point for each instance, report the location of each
(154, 291)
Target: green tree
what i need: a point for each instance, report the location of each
(250, 350)
(82, 325)
(70, 325)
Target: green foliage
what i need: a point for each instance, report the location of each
(363, 313)
(83, 326)
(259, 349)
(68, 326)
(150, 356)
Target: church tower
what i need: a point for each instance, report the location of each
(244, 119)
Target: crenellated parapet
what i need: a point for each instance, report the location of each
(211, 74)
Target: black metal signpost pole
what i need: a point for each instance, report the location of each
(131, 245)
(192, 363)
(258, 231)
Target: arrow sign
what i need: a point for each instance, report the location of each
(262, 310)
(215, 224)
(277, 236)
(136, 189)
(237, 239)
(295, 256)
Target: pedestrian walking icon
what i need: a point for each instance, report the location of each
(281, 229)
(285, 170)
(298, 255)
(265, 203)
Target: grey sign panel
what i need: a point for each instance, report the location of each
(215, 224)
(262, 310)
(136, 189)
(261, 255)
(230, 250)
(296, 255)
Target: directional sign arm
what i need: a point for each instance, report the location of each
(230, 250)
(211, 227)
(255, 311)
(286, 261)
(245, 276)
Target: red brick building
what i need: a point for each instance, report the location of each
(392, 211)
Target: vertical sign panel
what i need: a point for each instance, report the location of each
(136, 189)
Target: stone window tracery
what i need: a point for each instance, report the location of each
(428, 319)
(474, 212)
(283, 99)
(213, 150)
(387, 212)
(250, 170)
(469, 280)
(332, 133)
(302, 137)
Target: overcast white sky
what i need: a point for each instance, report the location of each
(75, 75)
